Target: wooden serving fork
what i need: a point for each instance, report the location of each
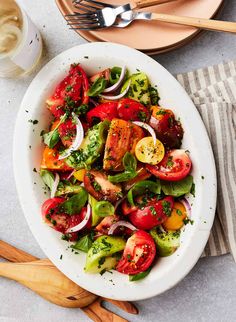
(41, 276)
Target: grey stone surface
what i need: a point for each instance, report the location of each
(208, 293)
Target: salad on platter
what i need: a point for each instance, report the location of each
(116, 171)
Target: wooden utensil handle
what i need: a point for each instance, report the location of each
(208, 24)
(138, 4)
(14, 254)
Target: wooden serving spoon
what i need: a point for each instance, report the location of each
(41, 276)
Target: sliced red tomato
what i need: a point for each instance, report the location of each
(105, 74)
(139, 253)
(70, 92)
(153, 214)
(168, 130)
(97, 185)
(175, 166)
(61, 221)
(67, 132)
(131, 110)
(127, 208)
(105, 111)
(50, 161)
(106, 223)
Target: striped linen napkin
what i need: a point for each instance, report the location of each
(213, 91)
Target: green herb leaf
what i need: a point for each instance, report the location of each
(121, 177)
(143, 187)
(129, 162)
(115, 75)
(178, 188)
(130, 165)
(83, 243)
(74, 204)
(48, 178)
(139, 276)
(98, 87)
(51, 138)
(104, 209)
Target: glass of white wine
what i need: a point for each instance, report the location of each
(20, 41)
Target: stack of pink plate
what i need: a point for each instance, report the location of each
(152, 37)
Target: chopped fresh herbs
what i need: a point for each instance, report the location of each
(154, 96)
(34, 122)
(166, 208)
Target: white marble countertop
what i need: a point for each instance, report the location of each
(208, 293)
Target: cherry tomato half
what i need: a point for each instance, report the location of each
(138, 255)
(131, 110)
(175, 166)
(105, 111)
(153, 214)
(50, 161)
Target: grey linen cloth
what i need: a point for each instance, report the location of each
(213, 91)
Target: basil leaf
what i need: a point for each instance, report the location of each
(130, 165)
(114, 75)
(104, 209)
(98, 87)
(48, 178)
(51, 138)
(139, 276)
(177, 188)
(83, 243)
(74, 204)
(129, 162)
(121, 177)
(143, 187)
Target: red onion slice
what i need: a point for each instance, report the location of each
(153, 122)
(118, 83)
(120, 223)
(119, 202)
(113, 98)
(83, 223)
(149, 129)
(187, 206)
(78, 139)
(55, 185)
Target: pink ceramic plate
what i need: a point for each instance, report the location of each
(152, 36)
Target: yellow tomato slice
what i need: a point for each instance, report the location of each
(176, 219)
(146, 152)
(79, 175)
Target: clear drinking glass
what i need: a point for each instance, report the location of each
(20, 41)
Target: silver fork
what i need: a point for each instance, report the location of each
(99, 18)
(100, 15)
(106, 17)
